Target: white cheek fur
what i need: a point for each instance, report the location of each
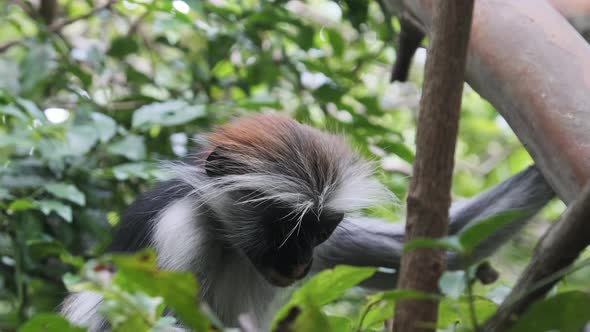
(176, 236)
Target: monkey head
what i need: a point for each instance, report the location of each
(280, 188)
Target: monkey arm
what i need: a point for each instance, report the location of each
(372, 242)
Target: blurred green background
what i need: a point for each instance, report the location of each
(93, 94)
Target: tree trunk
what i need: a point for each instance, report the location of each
(429, 196)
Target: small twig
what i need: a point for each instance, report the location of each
(559, 247)
(48, 10)
(134, 27)
(27, 8)
(57, 26)
(471, 301)
(4, 47)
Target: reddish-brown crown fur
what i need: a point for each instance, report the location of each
(273, 143)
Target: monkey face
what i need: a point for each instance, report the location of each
(291, 241)
(282, 246)
(279, 189)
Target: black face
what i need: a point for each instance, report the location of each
(283, 262)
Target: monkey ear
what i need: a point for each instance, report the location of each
(219, 164)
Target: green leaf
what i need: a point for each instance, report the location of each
(80, 139)
(13, 111)
(376, 315)
(44, 248)
(5, 194)
(450, 242)
(565, 312)
(338, 323)
(47, 206)
(66, 191)
(21, 181)
(105, 126)
(131, 312)
(474, 235)
(132, 170)
(357, 13)
(49, 323)
(135, 76)
(256, 103)
(455, 315)
(178, 289)
(304, 37)
(399, 149)
(379, 306)
(81, 73)
(219, 48)
(312, 319)
(329, 92)
(336, 41)
(31, 108)
(20, 205)
(10, 69)
(223, 69)
(131, 146)
(36, 67)
(123, 46)
(325, 287)
(169, 113)
(113, 218)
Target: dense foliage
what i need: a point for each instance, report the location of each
(94, 94)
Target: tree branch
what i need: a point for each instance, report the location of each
(429, 196)
(47, 10)
(529, 62)
(371, 242)
(577, 12)
(560, 246)
(58, 26)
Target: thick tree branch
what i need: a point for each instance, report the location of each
(371, 242)
(577, 12)
(530, 63)
(429, 196)
(560, 246)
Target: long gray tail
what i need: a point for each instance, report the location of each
(374, 242)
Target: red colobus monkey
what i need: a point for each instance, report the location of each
(265, 201)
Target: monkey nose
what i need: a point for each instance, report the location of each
(298, 271)
(301, 270)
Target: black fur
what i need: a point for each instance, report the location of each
(135, 228)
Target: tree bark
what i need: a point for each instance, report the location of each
(47, 10)
(429, 195)
(577, 12)
(532, 65)
(559, 247)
